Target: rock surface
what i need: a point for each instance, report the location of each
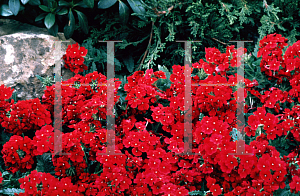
(27, 51)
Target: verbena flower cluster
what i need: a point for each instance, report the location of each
(74, 58)
(148, 164)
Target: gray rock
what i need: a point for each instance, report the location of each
(27, 51)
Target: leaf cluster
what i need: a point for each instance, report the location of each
(155, 26)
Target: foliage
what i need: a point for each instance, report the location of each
(11, 191)
(197, 193)
(44, 164)
(164, 84)
(236, 135)
(10, 183)
(97, 57)
(47, 81)
(152, 30)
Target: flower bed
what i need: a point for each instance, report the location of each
(149, 131)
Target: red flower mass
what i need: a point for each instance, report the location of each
(151, 129)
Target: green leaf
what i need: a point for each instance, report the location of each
(64, 3)
(201, 115)
(285, 193)
(14, 6)
(70, 27)
(40, 17)
(34, 2)
(196, 193)
(63, 11)
(117, 65)
(81, 4)
(129, 62)
(236, 135)
(11, 191)
(104, 4)
(5, 173)
(24, 1)
(53, 30)
(89, 3)
(49, 20)
(163, 84)
(40, 78)
(94, 67)
(123, 80)
(44, 164)
(138, 8)
(44, 8)
(83, 22)
(124, 12)
(5, 11)
(122, 95)
(5, 137)
(164, 69)
(52, 4)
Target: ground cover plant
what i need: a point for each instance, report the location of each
(149, 130)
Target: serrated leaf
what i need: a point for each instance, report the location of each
(34, 2)
(163, 84)
(11, 191)
(5, 137)
(89, 3)
(24, 1)
(122, 98)
(94, 67)
(83, 22)
(44, 8)
(5, 11)
(70, 27)
(14, 6)
(164, 69)
(281, 28)
(40, 78)
(124, 12)
(104, 4)
(138, 8)
(49, 20)
(285, 193)
(40, 17)
(129, 62)
(196, 193)
(44, 164)
(201, 115)
(5, 173)
(236, 135)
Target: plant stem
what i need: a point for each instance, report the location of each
(249, 73)
(99, 171)
(82, 146)
(151, 34)
(287, 134)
